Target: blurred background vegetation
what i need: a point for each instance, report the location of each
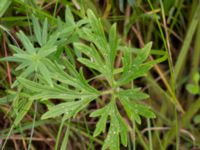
(172, 25)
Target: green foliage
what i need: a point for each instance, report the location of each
(197, 119)
(121, 4)
(4, 6)
(118, 128)
(194, 88)
(44, 77)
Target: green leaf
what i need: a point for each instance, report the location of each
(70, 54)
(193, 89)
(26, 42)
(69, 18)
(69, 109)
(6, 99)
(112, 139)
(196, 78)
(23, 56)
(86, 33)
(37, 29)
(98, 31)
(90, 52)
(117, 128)
(143, 110)
(134, 73)
(63, 77)
(121, 5)
(45, 31)
(101, 124)
(89, 64)
(46, 74)
(23, 65)
(127, 60)
(84, 49)
(130, 65)
(17, 49)
(143, 54)
(77, 80)
(33, 86)
(169, 6)
(134, 94)
(46, 51)
(4, 6)
(60, 95)
(45, 92)
(10, 58)
(123, 127)
(22, 112)
(95, 24)
(70, 68)
(197, 119)
(113, 43)
(28, 71)
(132, 114)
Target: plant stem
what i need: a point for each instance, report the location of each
(107, 92)
(185, 48)
(149, 135)
(177, 129)
(59, 133)
(33, 125)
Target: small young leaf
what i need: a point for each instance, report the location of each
(193, 89)
(197, 119)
